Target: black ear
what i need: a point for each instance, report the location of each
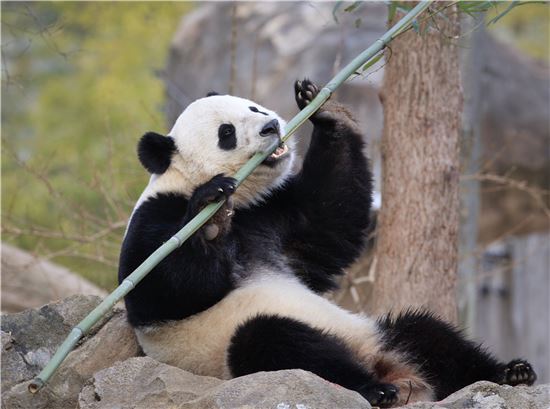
(155, 152)
(211, 93)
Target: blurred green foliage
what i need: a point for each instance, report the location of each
(78, 89)
(526, 27)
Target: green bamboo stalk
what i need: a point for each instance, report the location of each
(177, 240)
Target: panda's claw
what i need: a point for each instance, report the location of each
(218, 188)
(383, 395)
(312, 89)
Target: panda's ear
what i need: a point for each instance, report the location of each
(155, 152)
(211, 93)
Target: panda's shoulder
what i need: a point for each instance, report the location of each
(160, 207)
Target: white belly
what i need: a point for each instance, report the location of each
(199, 343)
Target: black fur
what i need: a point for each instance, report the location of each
(212, 93)
(446, 358)
(155, 152)
(254, 109)
(190, 279)
(227, 139)
(271, 343)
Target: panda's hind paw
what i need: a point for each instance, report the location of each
(305, 91)
(383, 395)
(519, 372)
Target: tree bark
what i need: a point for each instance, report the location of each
(417, 249)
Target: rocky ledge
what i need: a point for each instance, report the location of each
(106, 371)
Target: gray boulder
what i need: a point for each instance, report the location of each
(30, 338)
(488, 395)
(143, 383)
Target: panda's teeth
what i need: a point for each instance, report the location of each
(281, 150)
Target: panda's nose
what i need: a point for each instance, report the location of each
(271, 128)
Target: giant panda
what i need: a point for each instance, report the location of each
(244, 293)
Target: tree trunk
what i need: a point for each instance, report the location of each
(417, 249)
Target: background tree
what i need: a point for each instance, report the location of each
(416, 253)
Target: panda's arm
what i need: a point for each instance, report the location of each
(193, 277)
(327, 204)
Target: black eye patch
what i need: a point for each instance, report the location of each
(227, 139)
(254, 109)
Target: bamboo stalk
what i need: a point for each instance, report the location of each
(177, 240)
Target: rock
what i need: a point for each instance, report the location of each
(276, 43)
(488, 395)
(144, 383)
(14, 368)
(29, 282)
(105, 372)
(30, 338)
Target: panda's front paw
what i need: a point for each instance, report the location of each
(519, 372)
(383, 395)
(218, 188)
(305, 91)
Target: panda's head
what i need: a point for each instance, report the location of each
(217, 134)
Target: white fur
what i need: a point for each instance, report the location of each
(198, 157)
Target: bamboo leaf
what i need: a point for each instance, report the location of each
(506, 11)
(372, 61)
(471, 7)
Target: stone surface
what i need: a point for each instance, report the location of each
(142, 383)
(104, 372)
(30, 338)
(488, 395)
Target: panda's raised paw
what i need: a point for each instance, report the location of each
(519, 372)
(383, 395)
(305, 91)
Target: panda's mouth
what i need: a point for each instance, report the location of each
(280, 153)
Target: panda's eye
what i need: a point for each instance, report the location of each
(227, 139)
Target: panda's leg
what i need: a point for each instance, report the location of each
(270, 343)
(446, 358)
